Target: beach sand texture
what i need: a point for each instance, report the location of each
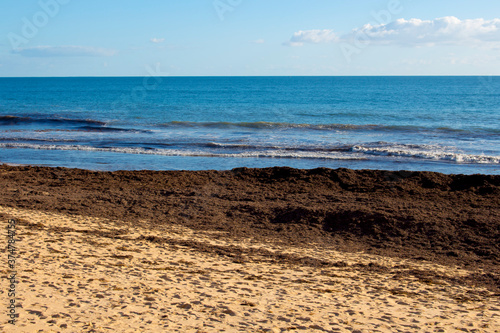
(83, 274)
(252, 251)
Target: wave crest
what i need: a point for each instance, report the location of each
(413, 151)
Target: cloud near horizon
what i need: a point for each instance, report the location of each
(312, 37)
(412, 32)
(157, 40)
(64, 51)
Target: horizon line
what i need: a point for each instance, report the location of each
(227, 76)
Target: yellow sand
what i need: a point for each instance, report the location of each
(73, 280)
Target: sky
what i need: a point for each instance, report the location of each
(248, 37)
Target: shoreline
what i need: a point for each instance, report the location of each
(239, 167)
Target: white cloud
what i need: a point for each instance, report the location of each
(448, 30)
(259, 41)
(445, 30)
(312, 36)
(64, 51)
(157, 40)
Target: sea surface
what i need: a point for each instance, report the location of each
(445, 124)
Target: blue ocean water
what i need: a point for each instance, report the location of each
(445, 124)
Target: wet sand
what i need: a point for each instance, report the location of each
(246, 250)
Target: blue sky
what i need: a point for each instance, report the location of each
(249, 37)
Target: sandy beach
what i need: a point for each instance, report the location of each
(252, 250)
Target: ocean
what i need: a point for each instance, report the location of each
(446, 124)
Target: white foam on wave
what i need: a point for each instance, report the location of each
(192, 153)
(427, 152)
(357, 152)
